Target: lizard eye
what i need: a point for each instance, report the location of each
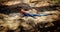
(26, 9)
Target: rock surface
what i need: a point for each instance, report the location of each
(15, 22)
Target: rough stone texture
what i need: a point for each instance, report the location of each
(14, 22)
(28, 23)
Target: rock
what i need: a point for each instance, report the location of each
(18, 23)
